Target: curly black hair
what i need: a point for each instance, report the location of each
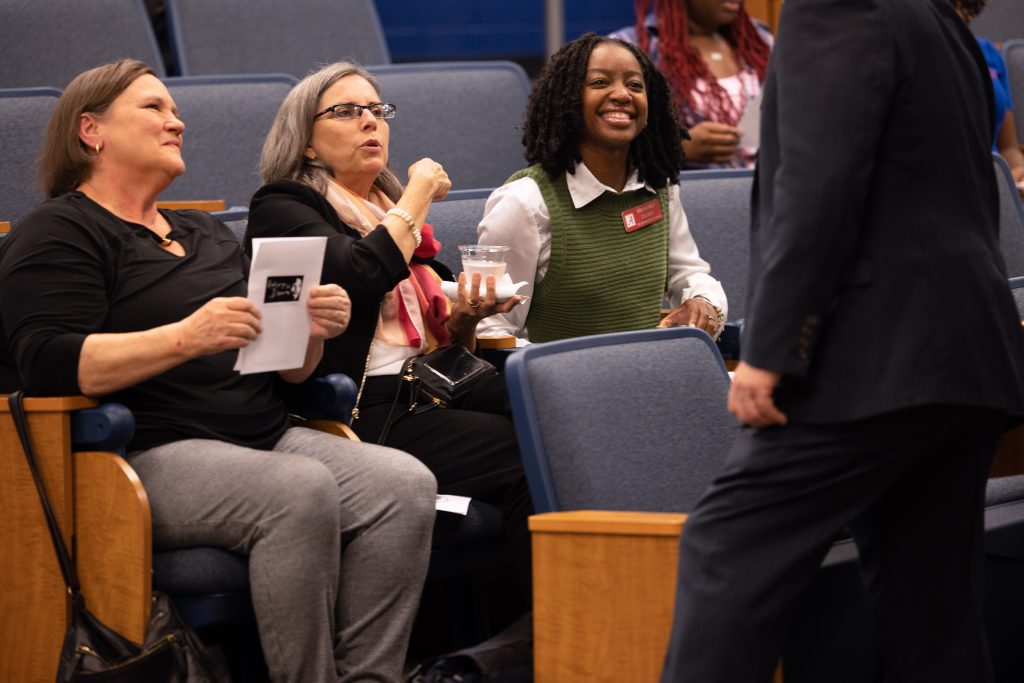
(554, 116)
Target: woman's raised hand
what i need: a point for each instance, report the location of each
(221, 324)
(330, 310)
(432, 175)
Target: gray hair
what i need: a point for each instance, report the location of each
(283, 152)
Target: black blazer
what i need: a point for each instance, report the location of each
(367, 267)
(877, 283)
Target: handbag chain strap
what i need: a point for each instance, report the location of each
(366, 370)
(67, 567)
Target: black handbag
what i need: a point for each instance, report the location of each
(438, 378)
(171, 652)
(446, 374)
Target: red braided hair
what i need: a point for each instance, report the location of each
(683, 65)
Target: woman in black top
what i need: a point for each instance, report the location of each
(101, 293)
(325, 168)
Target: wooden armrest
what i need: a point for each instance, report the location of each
(498, 341)
(197, 204)
(329, 426)
(5, 226)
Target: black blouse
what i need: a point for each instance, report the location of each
(71, 268)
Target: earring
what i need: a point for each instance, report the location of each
(97, 148)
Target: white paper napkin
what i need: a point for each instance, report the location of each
(504, 288)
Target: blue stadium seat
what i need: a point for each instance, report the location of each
(1013, 55)
(623, 421)
(1011, 219)
(226, 120)
(49, 42)
(24, 115)
(455, 220)
(717, 206)
(1000, 20)
(264, 36)
(467, 116)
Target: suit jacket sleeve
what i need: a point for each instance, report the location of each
(831, 82)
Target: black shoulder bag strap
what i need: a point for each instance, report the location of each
(67, 567)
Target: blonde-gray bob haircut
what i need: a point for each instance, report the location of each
(283, 152)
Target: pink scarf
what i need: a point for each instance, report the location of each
(422, 289)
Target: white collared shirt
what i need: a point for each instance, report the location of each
(516, 215)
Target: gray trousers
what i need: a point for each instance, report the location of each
(337, 533)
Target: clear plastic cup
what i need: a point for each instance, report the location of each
(484, 259)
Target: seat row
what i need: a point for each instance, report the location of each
(580, 456)
(206, 37)
(465, 115)
(1013, 55)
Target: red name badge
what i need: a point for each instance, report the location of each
(641, 216)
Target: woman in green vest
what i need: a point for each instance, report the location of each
(595, 224)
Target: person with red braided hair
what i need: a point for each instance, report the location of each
(714, 57)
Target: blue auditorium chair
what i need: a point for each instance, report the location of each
(235, 219)
(1011, 218)
(455, 220)
(49, 42)
(717, 206)
(622, 421)
(610, 425)
(468, 116)
(80, 447)
(24, 115)
(226, 120)
(1017, 289)
(1013, 55)
(264, 36)
(1000, 20)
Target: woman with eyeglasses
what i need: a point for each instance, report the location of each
(326, 173)
(104, 294)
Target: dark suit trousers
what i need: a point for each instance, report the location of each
(911, 486)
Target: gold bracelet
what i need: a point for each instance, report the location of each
(407, 218)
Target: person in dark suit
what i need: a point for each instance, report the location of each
(882, 352)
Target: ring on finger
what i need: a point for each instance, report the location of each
(473, 303)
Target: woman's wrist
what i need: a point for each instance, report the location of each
(462, 328)
(407, 218)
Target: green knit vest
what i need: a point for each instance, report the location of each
(599, 278)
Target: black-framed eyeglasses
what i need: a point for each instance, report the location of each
(347, 111)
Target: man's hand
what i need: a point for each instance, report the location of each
(750, 396)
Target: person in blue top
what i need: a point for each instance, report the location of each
(1005, 141)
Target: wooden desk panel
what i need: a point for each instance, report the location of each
(604, 590)
(604, 586)
(33, 607)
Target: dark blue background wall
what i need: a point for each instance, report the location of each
(487, 29)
